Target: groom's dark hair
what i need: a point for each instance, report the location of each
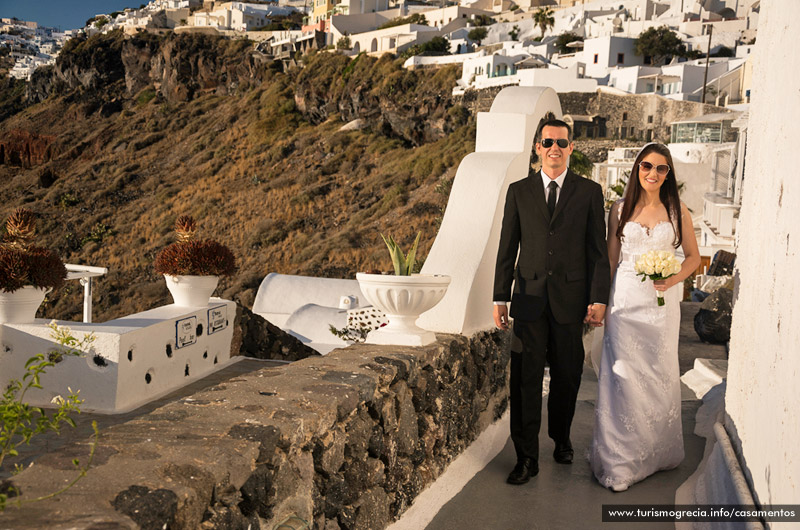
(550, 121)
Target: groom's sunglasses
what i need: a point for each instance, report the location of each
(547, 143)
(646, 167)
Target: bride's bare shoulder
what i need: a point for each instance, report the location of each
(616, 208)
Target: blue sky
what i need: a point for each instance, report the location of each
(64, 14)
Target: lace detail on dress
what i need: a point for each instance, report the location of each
(638, 427)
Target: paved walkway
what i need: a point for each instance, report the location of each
(567, 497)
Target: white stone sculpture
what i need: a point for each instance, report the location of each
(466, 246)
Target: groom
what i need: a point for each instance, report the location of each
(554, 221)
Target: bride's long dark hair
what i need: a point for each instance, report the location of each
(668, 193)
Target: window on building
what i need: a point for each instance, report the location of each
(620, 58)
(623, 132)
(633, 132)
(648, 59)
(696, 133)
(650, 119)
(595, 58)
(649, 87)
(624, 116)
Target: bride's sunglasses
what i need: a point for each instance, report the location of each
(646, 167)
(547, 143)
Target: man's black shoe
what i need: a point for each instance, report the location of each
(563, 453)
(523, 471)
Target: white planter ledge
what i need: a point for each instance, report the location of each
(403, 299)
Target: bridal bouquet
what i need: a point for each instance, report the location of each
(657, 265)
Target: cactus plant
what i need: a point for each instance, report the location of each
(403, 264)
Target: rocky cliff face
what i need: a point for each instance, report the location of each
(178, 67)
(181, 67)
(392, 100)
(25, 149)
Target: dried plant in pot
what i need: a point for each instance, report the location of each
(192, 267)
(27, 272)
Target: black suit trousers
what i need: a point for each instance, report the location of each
(534, 343)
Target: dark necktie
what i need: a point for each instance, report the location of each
(551, 196)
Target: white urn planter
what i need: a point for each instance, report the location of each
(403, 299)
(20, 306)
(191, 291)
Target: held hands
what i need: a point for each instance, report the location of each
(501, 316)
(594, 315)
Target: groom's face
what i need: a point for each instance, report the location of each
(554, 158)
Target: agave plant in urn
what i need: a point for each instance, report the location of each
(27, 272)
(403, 297)
(192, 267)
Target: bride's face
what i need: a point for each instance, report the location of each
(653, 171)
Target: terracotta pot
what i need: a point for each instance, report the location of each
(191, 291)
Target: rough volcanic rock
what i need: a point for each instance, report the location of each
(186, 65)
(150, 509)
(24, 148)
(254, 336)
(398, 102)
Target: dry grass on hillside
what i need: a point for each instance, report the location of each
(286, 196)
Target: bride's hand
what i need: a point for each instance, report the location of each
(594, 315)
(663, 285)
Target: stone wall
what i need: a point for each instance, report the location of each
(640, 112)
(344, 441)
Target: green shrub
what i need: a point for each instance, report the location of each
(145, 96)
(22, 422)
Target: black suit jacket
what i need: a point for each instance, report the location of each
(562, 261)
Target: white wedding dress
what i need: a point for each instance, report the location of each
(637, 428)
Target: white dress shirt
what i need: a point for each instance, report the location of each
(546, 182)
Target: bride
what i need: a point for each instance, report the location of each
(637, 429)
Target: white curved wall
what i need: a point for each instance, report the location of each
(466, 246)
(280, 295)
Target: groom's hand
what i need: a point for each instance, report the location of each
(594, 315)
(501, 316)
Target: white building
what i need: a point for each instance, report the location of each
(238, 16)
(721, 204)
(684, 81)
(395, 39)
(603, 53)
